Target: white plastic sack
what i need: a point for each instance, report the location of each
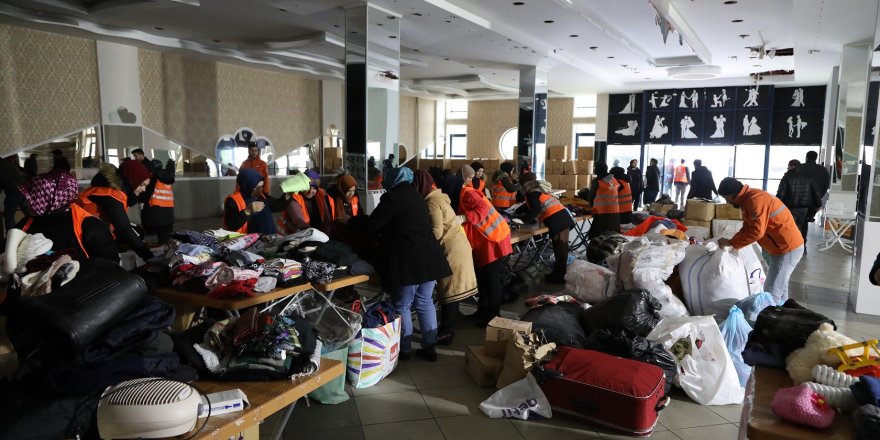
(754, 264)
(712, 279)
(589, 282)
(698, 232)
(518, 401)
(647, 264)
(707, 375)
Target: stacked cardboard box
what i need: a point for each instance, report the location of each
(662, 208)
(699, 210)
(585, 153)
(553, 167)
(584, 167)
(726, 211)
(484, 363)
(557, 153)
(554, 179)
(568, 181)
(569, 167)
(725, 228)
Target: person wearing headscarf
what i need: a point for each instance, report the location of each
(449, 233)
(308, 208)
(411, 260)
(344, 195)
(489, 236)
(49, 209)
(135, 178)
(604, 202)
(547, 209)
(504, 190)
(468, 177)
(245, 210)
(105, 199)
(450, 183)
(157, 209)
(624, 195)
(477, 181)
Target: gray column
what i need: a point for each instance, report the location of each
(532, 133)
(372, 99)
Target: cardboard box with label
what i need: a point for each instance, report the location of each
(585, 153)
(553, 179)
(557, 153)
(553, 167)
(725, 228)
(568, 181)
(726, 211)
(701, 210)
(569, 167)
(662, 208)
(584, 167)
(499, 331)
(483, 369)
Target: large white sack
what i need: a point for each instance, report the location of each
(707, 375)
(589, 282)
(755, 267)
(712, 279)
(646, 264)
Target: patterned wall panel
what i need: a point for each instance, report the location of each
(487, 121)
(408, 121)
(191, 109)
(152, 81)
(426, 122)
(560, 113)
(48, 86)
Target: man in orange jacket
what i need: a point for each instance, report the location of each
(254, 162)
(767, 221)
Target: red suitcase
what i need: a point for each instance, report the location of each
(617, 393)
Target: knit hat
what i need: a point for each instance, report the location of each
(477, 166)
(345, 182)
(50, 192)
(134, 172)
(467, 172)
(729, 187)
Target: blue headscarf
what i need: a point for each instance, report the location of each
(260, 222)
(396, 176)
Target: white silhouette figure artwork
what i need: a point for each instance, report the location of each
(751, 127)
(659, 129)
(664, 101)
(753, 98)
(686, 125)
(797, 98)
(719, 126)
(630, 104)
(695, 99)
(720, 100)
(795, 126)
(682, 103)
(629, 130)
(653, 99)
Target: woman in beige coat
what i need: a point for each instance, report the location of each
(447, 230)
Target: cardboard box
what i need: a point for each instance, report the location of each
(456, 164)
(662, 208)
(701, 210)
(585, 181)
(568, 181)
(725, 228)
(491, 165)
(584, 167)
(726, 211)
(585, 153)
(698, 229)
(554, 180)
(483, 369)
(553, 167)
(499, 331)
(557, 153)
(569, 167)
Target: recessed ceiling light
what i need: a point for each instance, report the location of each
(731, 2)
(548, 21)
(159, 28)
(756, 65)
(392, 36)
(736, 21)
(336, 26)
(594, 47)
(416, 14)
(216, 41)
(743, 36)
(610, 57)
(518, 3)
(282, 9)
(415, 50)
(445, 59)
(573, 35)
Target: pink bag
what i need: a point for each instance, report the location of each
(802, 405)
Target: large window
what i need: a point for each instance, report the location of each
(584, 136)
(507, 145)
(457, 141)
(456, 109)
(778, 163)
(620, 155)
(585, 106)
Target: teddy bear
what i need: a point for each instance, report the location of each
(800, 362)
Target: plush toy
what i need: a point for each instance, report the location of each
(800, 362)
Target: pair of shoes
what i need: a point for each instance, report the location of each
(428, 353)
(552, 278)
(404, 356)
(445, 338)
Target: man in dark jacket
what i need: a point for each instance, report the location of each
(799, 194)
(652, 182)
(635, 183)
(820, 177)
(702, 184)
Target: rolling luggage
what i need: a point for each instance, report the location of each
(617, 393)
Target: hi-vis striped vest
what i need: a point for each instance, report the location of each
(493, 226)
(501, 198)
(163, 196)
(606, 201)
(549, 205)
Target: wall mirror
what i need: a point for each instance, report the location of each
(853, 89)
(80, 149)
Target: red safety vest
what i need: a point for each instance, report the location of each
(624, 197)
(239, 202)
(606, 201)
(501, 198)
(78, 215)
(549, 205)
(681, 174)
(163, 196)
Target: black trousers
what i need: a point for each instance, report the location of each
(637, 199)
(489, 283)
(801, 219)
(560, 252)
(650, 196)
(448, 317)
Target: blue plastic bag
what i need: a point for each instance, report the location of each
(735, 331)
(752, 305)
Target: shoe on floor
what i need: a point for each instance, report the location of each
(445, 338)
(428, 353)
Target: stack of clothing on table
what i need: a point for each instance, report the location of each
(324, 259)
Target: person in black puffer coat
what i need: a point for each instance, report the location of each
(799, 194)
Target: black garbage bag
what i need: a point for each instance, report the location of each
(634, 311)
(604, 246)
(560, 323)
(789, 325)
(636, 348)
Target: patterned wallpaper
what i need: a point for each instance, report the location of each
(48, 86)
(195, 101)
(488, 120)
(408, 122)
(426, 121)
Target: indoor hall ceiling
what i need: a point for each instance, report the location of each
(475, 48)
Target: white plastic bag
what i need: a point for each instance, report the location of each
(589, 282)
(706, 374)
(647, 264)
(519, 400)
(754, 265)
(712, 279)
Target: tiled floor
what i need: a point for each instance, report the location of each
(426, 401)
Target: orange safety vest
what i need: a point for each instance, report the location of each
(493, 226)
(320, 195)
(549, 205)
(78, 215)
(163, 196)
(482, 186)
(341, 207)
(501, 198)
(239, 202)
(624, 197)
(606, 201)
(467, 187)
(85, 203)
(681, 174)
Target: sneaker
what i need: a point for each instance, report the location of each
(427, 353)
(445, 338)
